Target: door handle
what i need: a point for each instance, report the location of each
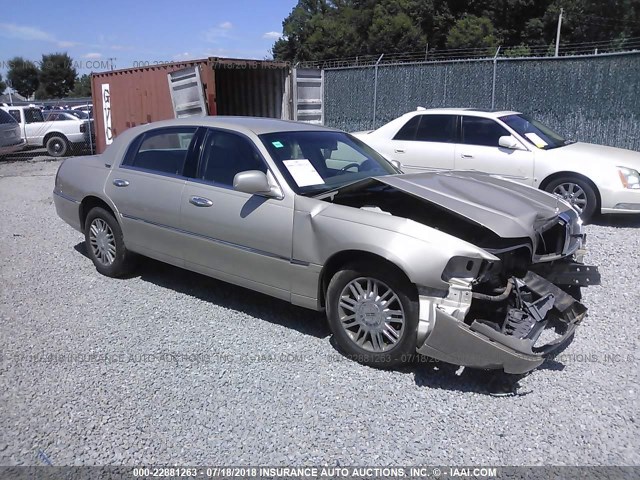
(398, 150)
(121, 183)
(466, 155)
(200, 202)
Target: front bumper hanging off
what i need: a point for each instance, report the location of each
(444, 335)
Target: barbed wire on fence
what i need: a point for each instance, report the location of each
(487, 53)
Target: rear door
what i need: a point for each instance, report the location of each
(425, 143)
(147, 187)
(479, 150)
(241, 238)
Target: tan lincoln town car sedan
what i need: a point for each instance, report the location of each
(463, 267)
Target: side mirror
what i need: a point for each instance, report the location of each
(255, 182)
(396, 164)
(509, 142)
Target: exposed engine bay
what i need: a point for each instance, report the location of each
(528, 301)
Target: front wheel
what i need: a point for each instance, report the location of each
(373, 315)
(579, 193)
(105, 244)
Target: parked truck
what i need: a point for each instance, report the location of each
(58, 137)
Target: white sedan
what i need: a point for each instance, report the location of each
(593, 178)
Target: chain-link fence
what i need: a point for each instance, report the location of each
(591, 98)
(55, 128)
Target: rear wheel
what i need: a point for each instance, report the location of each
(57, 146)
(372, 315)
(105, 244)
(579, 193)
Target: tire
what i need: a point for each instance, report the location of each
(364, 340)
(57, 146)
(578, 192)
(105, 244)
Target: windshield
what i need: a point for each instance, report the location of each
(534, 132)
(316, 162)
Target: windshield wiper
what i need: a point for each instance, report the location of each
(334, 190)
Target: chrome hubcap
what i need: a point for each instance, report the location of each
(573, 194)
(103, 243)
(371, 314)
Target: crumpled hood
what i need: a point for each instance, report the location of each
(590, 152)
(509, 209)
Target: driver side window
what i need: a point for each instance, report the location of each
(225, 155)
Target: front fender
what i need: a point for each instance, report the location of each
(322, 230)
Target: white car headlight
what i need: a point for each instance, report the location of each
(629, 177)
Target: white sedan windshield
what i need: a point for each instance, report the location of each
(535, 132)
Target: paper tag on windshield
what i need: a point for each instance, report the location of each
(303, 172)
(535, 138)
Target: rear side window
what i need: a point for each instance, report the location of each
(429, 128)
(437, 128)
(6, 118)
(408, 132)
(481, 131)
(161, 151)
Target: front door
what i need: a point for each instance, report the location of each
(35, 127)
(479, 150)
(241, 238)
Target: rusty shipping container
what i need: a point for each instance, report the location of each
(125, 98)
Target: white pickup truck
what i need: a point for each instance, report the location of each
(58, 137)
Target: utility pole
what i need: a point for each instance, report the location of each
(558, 34)
(10, 85)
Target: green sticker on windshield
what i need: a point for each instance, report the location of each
(277, 144)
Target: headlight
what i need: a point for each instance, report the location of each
(629, 177)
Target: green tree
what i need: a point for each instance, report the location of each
(82, 87)
(3, 85)
(322, 29)
(392, 30)
(57, 75)
(23, 75)
(472, 32)
(519, 51)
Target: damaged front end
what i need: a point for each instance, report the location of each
(511, 315)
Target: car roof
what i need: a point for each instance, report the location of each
(465, 111)
(256, 125)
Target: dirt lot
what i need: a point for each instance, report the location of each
(169, 367)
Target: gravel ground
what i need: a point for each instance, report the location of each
(169, 367)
